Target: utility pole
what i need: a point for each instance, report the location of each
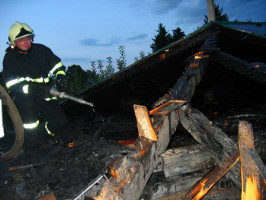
(211, 10)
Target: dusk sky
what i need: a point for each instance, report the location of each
(81, 31)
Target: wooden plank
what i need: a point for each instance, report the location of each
(249, 170)
(200, 189)
(167, 107)
(207, 133)
(145, 128)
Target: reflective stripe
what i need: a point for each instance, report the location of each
(57, 66)
(12, 82)
(60, 72)
(28, 79)
(36, 80)
(26, 89)
(48, 131)
(49, 99)
(31, 125)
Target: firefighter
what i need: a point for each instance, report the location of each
(30, 71)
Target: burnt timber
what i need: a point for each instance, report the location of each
(235, 58)
(202, 85)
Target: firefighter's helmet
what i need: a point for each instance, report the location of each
(19, 30)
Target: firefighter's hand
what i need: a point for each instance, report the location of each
(61, 83)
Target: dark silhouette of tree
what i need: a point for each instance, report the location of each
(109, 67)
(121, 61)
(177, 34)
(93, 76)
(2, 79)
(77, 78)
(219, 15)
(141, 56)
(162, 39)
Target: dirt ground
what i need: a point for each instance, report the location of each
(65, 168)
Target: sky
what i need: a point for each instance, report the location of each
(82, 31)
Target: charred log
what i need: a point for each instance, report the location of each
(205, 132)
(256, 71)
(185, 160)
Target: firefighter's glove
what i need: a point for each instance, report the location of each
(61, 83)
(40, 91)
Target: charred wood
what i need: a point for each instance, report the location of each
(207, 133)
(176, 187)
(131, 173)
(184, 160)
(255, 71)
(200, 189)
(185, 87)
(251, 164)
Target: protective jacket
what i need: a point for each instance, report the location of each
(23, 73)
(37, 67)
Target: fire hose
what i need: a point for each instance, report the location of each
(64, 95)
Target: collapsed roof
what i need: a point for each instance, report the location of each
(146, 81)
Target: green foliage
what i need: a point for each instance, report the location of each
(99, 72)
(177, 34)
(141, 56)
(164, 38)
(109, 68)
(219, 15)
(77, 78)
(121, 61)
(92, 74)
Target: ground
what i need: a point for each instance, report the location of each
(59, 168)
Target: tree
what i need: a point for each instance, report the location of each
(109, 67)
(77, 78)
(177, 34)
(162, 39)
(2, 79)
(141, 56)
(121, 62)
(219, 15)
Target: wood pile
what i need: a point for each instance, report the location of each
(190, 172)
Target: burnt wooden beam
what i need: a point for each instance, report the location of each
(185, 86)
(130, 173)
(249, 159)
(179, 161)
(255, 71)
(200, 189)
(207, 133)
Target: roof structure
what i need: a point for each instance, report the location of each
(146, 81)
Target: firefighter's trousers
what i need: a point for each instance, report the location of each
(40, 117)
